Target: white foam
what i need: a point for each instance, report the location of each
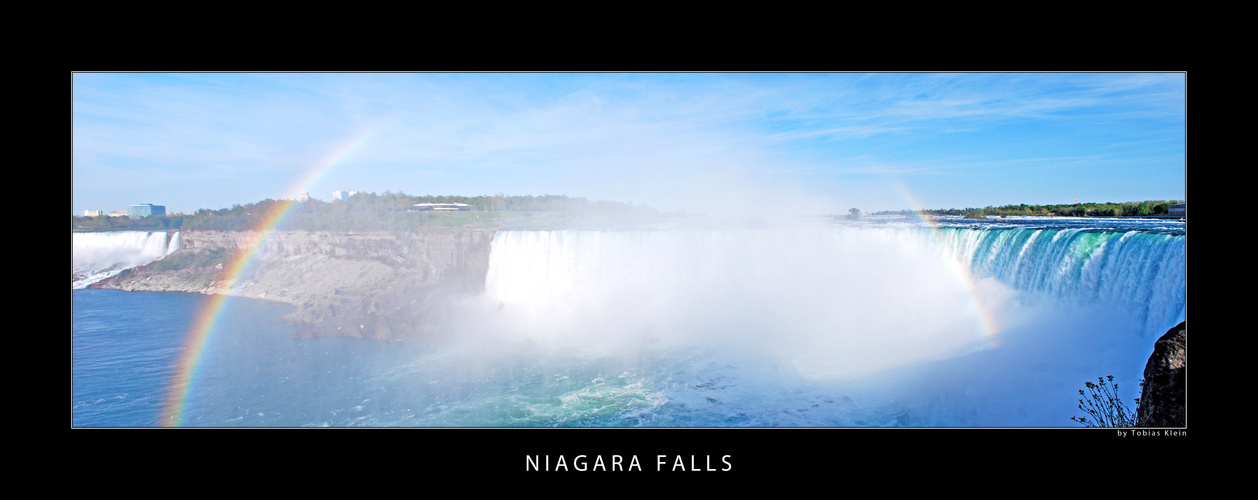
(828, 302)
(99, 255)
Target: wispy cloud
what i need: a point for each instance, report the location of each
(665, 139)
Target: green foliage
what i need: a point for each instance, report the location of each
(1103, 406)
(390, 212)
(192, 260)
(1107, 209)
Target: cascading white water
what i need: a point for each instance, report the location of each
(99, 255)
(838, 325)
(1142, 272)
(174, 244)
(853, 325)
(831, 300)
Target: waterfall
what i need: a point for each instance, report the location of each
(174, 244)
(1143, 272)
(892, 283)
(828, 301)
(99, 255)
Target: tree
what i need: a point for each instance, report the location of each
(854, 213)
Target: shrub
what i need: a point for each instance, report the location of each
(1103, 406)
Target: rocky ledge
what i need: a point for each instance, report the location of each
(1163, 401)
(379, 285)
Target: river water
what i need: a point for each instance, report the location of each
(882, 323)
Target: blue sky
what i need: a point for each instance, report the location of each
(703, 142)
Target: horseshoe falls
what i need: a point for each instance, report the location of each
(834, 323)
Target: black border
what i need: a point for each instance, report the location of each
(345, 456)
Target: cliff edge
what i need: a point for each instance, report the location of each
(1163, 401)
(382, 285)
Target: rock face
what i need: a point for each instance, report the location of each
(374, 285)
(1163, 401)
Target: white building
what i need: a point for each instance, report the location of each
(305, 196)
(343, 194)
(91, 213)
(440, 207)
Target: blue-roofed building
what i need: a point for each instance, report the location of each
(145, 210)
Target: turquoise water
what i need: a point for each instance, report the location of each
(1073, 303)
(255, 374)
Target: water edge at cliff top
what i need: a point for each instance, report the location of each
(873, 327)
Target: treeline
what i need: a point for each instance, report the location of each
(107, 223)
(1107, 209)
(388, 211)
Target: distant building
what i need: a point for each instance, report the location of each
(343, 194)
(1179, 209)
(145, 210)
(305, 196)
(118, 213)
(440, 207)
(91, 213)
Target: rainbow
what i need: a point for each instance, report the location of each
(208, 316)
(986, 317)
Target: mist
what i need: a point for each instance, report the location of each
(878, 325)
(96, 256)
(838, 295)
(718, 322)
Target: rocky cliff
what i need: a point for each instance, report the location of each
(1163, 401)
(380, 285)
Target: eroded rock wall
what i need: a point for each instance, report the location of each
(376, 285)
(1163, 401)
